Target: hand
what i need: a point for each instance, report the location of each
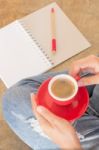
(89, 64)
(58, 129)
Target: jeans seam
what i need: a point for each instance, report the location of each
(94, 111)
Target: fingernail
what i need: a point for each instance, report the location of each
(80, 83)
(40, 109)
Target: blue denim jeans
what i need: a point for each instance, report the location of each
(18, 114)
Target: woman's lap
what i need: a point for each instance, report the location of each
(17, 99)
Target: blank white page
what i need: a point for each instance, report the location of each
(20, 57)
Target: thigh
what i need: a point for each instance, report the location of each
(88, 125)
(18, 113)
(90, 89)
(87, 128)
(94, 101)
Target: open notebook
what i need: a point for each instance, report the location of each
(25, 45)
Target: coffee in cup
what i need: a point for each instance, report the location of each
(63, 87)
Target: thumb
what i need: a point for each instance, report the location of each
(33, 102)
(89, 80)
(51, 118)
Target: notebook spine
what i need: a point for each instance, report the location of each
(37, 43)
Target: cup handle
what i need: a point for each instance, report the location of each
(77, 78)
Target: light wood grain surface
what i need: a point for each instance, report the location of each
(83, 13)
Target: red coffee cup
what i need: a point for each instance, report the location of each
(71, 109)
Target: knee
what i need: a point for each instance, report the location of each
(11, 92)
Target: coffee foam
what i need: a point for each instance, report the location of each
(63, 77)
(63, 88)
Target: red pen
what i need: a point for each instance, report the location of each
(53, 30)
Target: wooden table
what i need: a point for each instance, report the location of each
(83, 13)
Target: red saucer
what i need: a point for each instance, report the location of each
(69, 112)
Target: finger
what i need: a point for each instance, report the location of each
(44, 124)
(51, 118)
(89, 80)
(76, 67)
(46, 114)
(42, 121)
(83, 64)
(33, 102)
